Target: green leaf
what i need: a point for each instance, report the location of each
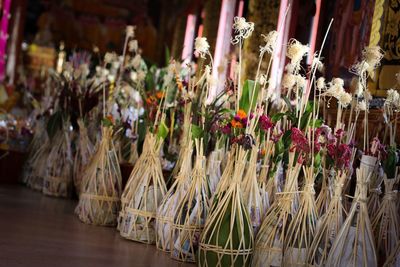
(106, 122)
(197, 131)
(277, 117)
(306, 115)
(316, 123)
(167, 55)
(389, 164)
(54, 124)
(248, 87)
(162, 130)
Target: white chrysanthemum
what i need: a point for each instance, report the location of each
(335, 89)
(321, 83)
(338, 81)
(270, 42)
(130, 31)
(288, 81)
(201, 47)
(296, 51)
(133, 45)
(344, 99)
(362, 106)
(242, 29)
(373, 56)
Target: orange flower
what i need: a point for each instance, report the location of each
(262, 152)
(151, 100)
(110, 118)
(241, 114)
(160, 94)
(236, 124)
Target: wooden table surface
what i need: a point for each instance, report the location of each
(36, 230)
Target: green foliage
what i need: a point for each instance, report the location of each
(197, 132)
(162, 131)
(389, 164)
(248, 88)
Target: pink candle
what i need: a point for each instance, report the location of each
(3, 37)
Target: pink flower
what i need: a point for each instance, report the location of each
(299, 140)
(265, 123)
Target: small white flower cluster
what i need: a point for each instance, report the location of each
(242, 29)
(337, 91)
(362, 105)
(371, 58)
(290, 80)
(69, 72)
(295, 52)
(201, 47)
(130, 31)
(270, 42)
(393, 99)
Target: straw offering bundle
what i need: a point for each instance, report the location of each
(386, 223)
(394, 259)
(374, 201)
(58, 179)
(252, 195)
(354, 244)
(227, 239)
(149, 189)
(328, 226)
(302, 228)
(169, 205)
(83, 154)
(192, 211)
(39, 167)
(270, 238)
(101, 185)
(324, 196)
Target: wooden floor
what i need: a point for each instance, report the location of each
(36, 230)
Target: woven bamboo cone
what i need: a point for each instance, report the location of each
(83, 155)
(227, 239)
(169, 205)
(374, 200)
(394, 259)
(270, 238)
(324, 197)
(138, 222)
(39, 164)
(385, 225)
(192, 211)
(99, 202)
(252, 193)
(214, 169)
(58, 179)
(267, 185)
(354, 244)
(329, 225)
(302, 228)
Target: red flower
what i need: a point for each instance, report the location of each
(266, 123)
(299, 140)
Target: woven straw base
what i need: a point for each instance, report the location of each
(138, 226)
(98, 210)
(56, 186)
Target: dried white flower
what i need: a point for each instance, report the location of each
(344, 99)
(115, 64)
(136, 61)
(270, 42)
(393, 98)
(130, 31)
(301, 81)
(263, 79)
(201, 47)
(361, 106)
(317, 63)
(133, 45)
(321, 83)
(242, 29)
(338, 81)
(296, 51)
(109, 57)
(373, 56)
(288, 81)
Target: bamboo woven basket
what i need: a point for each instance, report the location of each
(328, 226)
(252, 195)
(227, 239)
(99, 202)
(385, 225)
(191, 212)
(354, 244)
(169, 205)
(83, 155)
(394, 259)
(302, 227)
(214, 169)
(149, 189)
(270, 238)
